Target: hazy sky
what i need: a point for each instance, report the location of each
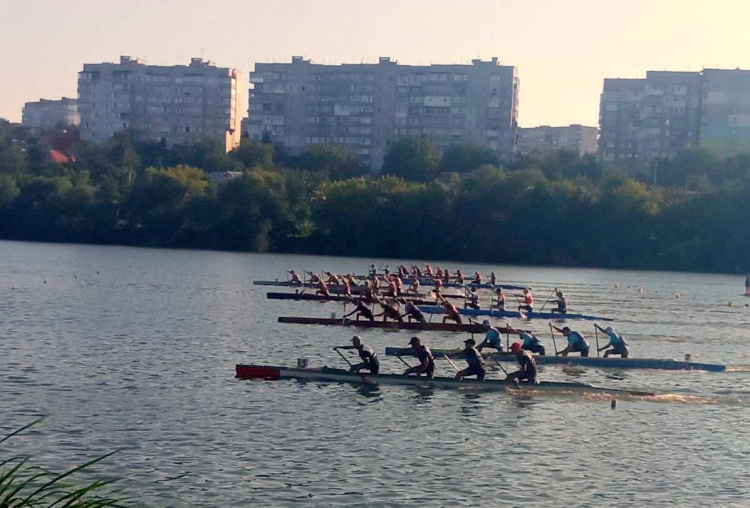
(562, 48)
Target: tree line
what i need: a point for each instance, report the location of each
(458, 204)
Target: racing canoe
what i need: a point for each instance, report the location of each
(326, 374)
(435, 309)
(389, 325)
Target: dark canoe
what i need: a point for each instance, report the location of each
(335, 298)
(326, 374)
(435, 309)
(388, 325)
(600, 363)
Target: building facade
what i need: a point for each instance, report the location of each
(573, 138)
(45, 114)
(642, 120)
(177, 104)
(365, 107)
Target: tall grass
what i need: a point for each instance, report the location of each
(24, 485)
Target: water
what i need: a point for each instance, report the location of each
(134, 349)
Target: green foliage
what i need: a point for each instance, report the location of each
(415, 159)
(25, 485)
(545, 209)
(466, 157)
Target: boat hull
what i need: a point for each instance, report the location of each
(435, 309)
(600, 363)
(388, 325)
(274, 373)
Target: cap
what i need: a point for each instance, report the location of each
(609, 329)
(470, 342)
(413, 340)
(516, 346)
(356, 340)
(486, 322)
(566, 329)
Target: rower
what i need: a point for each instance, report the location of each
(530, 341)
(439, 273)
(368, 293)
(747, 285)
(447, 277)
(392, 290)
(295, 277)
(616, 342)
(562, 304)
(451, 312)
(474, 359)
(403, 271)
(459, 277)
(576, 342)
(390, 311)
(373, 270)
(397, 280)
(491, 337)
(314, 278)
(438, 285)
(426, 360)
(527, 373)
(412, 311)
(350, 280)
(361, 311)
(471, 299)
(323, 290)
(347, 287)
(477, 278)
(332, 278)
(386, 271)
(366, 353)
(493, 278)
(499, 300)
(428, 270)
(414, 287)
(528, 301)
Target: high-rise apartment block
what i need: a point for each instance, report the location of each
(642, 120)
(45, 113)
(177, 104)
(365, 107)
(573, 138)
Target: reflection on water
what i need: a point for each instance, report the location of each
(135, 349)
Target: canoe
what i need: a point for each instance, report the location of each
(391, 325)
(593, 362)
(341, 298)
(434, 309)
(484, 285)
(326, 374)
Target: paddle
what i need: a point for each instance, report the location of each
(545, 303)
(407, 364)
(451, 362)
(596, 332)
(551, 331)
(350, 364)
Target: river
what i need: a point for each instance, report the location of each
(134, 349)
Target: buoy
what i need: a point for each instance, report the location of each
(677, 295)
(617, 285)
(613, 404)
(688, 357)
(729, 304)
(640, 290)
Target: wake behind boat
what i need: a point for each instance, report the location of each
(606, 363)
(327, 374)
(434, 309)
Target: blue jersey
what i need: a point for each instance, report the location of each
(493, 337)
(529, 341)
(616, 341)
(576, 342)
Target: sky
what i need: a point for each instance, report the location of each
(562, 49)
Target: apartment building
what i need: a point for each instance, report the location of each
(365, 107)
(177, 104)
(45, 114)
(573, 138)
(642, 120)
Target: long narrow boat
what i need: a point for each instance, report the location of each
(389, 325)
(326, 374)
(601, 363)
(434, 309)
(355, 289)
(341, 298)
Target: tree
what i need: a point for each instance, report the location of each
(253, 153)
(337, 162)
(466, 157)
(415, 159)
